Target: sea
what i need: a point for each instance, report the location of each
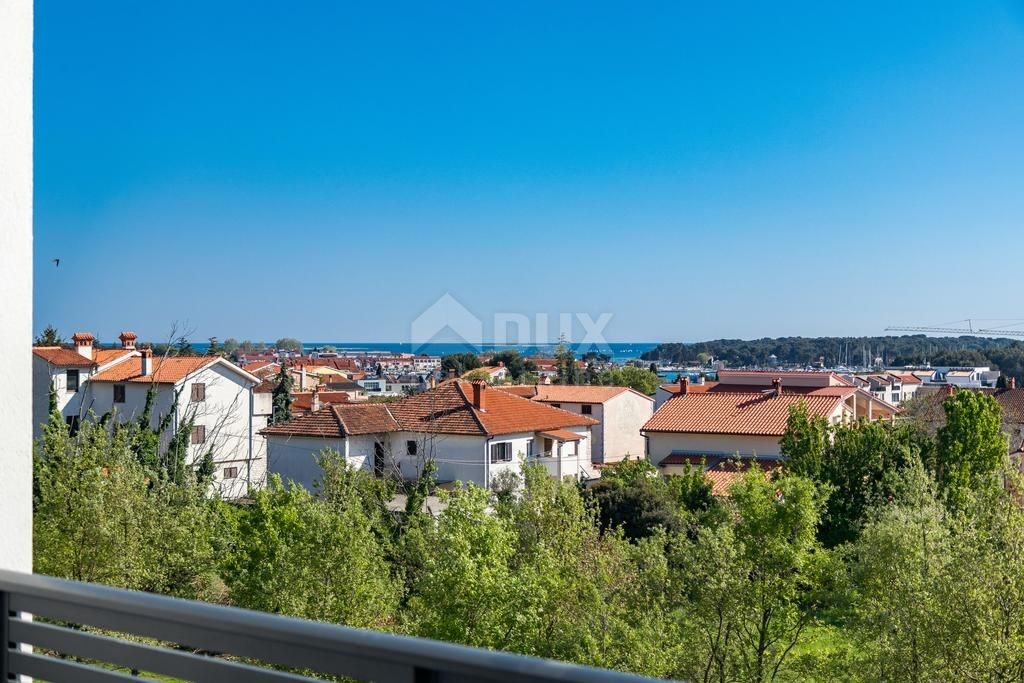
(620, 352)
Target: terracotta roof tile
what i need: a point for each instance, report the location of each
(62, 357)
(165, 370)
(338, 421)
(304, 400)
(322, 423)
(567, 393)
(734, 412)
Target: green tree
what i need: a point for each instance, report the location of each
(461, 363)
(318, 559)
(644, 381)
(49, 337)
(568, 368)
(231, 346)
(516, 364)
(288, 344)
(282, 397)
(971, 447)
(754, 583)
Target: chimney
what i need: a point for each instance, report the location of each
(128, 340)
(451, 373)
(432, 382)
(314, 401)
(302, 378)
(146, 362)
(1011, 382)
(501, 363)
(949, 390)
(700, 379)
(83, 343)
(479, 397)
(777, 386)
(684, 384)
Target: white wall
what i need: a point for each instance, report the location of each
(294, 457)
(16, 266)
(662, 445)
(624, 415)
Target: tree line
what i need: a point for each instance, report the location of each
(1003, 354)
(879, 552)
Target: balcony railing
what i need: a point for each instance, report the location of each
(202, 642)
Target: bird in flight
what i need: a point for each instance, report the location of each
(56, 263)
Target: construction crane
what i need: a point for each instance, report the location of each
(970, 329)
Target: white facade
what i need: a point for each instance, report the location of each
(227, 413)
(620, 418)
(463, 458)
(16, 266)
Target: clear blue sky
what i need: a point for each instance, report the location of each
(327, 170)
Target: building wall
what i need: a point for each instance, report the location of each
(661, 445)
(16, 373)
(293, 458)
(624, 415)
(660, 396)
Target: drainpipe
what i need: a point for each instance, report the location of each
(487, 462)
(248, 465)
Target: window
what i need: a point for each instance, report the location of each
(73, 423)
(199, 434)
(586, 409)
(230, 473)
(118, 393)
(198, 392)
(501, 452)
(410, 447)
(72, 383)
(529, 448)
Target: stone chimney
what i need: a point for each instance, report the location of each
(1011, 382)
(480, 394)
(83, 343)
(128, 340)
(949, 390)
(777, 386)
(146, 362)
(314, 401)
(451, 373)
(684, 384)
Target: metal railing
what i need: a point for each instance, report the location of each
(203, 642)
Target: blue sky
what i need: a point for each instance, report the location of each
(327, 170)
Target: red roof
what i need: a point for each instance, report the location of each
(61, 357)
(165, 370)
(735, 413)
(304, 400)
(569, 393)
(338, 421)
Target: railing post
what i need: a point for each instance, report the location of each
(5, 628)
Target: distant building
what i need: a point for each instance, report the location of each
(472, 432)
(620, 413)
(742, 417)
(211, 392)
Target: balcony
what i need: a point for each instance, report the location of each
(205, 642)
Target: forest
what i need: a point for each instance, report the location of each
(999, 353)
(880, 552)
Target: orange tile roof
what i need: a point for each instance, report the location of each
(722, 480)
(304, 400)
(562, 435)
(61, 357)
(446, 409)
(165, 370)
(568, 393)
(735, 413)
(524, 390)
(673, 387)
(338, 421)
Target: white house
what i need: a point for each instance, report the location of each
(620, 413)
(213, 394)
(745, 417)
(473, 433)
